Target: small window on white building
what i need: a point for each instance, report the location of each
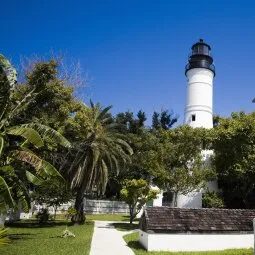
(193, 117)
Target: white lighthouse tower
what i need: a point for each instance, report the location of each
(200, 72)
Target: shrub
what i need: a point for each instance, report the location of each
(43, 216)
(212, 200)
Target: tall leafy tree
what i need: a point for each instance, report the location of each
(53, 99)
(133, 127)
(17, 142)
(234, 160)
(173, 158)
(99, 149)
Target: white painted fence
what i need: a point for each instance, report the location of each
(105, 207)
(90, 207)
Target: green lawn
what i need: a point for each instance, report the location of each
(132, 241)
(27, 238)
(103, 217)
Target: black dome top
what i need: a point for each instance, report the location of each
(201, 44)
(200, 57)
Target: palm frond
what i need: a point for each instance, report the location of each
(1, 144)
(28, 157)
(5, 92)
(33, 179)
(23, 199)
(42, 167)
(10, 71)
(125, 145)
(4, 237)
(30, 134)
(6, 199)
(102, 114)
(91, 103)
(46, 131)
(104, 175)
(8, 78)
(23, 104)
(50, 169)
(100, 153)
(7, 170)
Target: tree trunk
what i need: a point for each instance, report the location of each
(79, 218)
(55, 211)
(131, 214)
(175, 199)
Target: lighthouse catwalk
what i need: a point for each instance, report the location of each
(198, 112)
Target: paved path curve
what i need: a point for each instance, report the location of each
(108, 241)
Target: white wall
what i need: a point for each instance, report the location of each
(195, 242)
(192, 200)
(199, 98)
(90, 206)
(143, 239)
(105, 206)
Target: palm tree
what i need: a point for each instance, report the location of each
(16, 143)
(102, 150)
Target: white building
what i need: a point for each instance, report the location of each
(186, 229)
(198, 112)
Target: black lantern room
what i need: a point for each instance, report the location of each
(200, 57)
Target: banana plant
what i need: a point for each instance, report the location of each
(16, 143)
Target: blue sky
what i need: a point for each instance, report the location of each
(136, 51)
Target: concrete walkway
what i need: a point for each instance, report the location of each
(108, 241)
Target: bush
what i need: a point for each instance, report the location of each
(43, 216)
(212, 200)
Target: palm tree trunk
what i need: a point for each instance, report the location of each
(79, 218)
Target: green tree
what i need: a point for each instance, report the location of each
(52, 98)
(234, 158)
(130, 124)
(173, 158)
(17, 143)
(164, 120)
(99, 149)
(136, 193)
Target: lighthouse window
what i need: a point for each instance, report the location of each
(193, 117)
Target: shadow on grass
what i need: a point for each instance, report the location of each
(125, 226)
(127, 218)
(35, 224)
(20, 236)
(135, 245)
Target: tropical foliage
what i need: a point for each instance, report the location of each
(17, 144)
(212, 199)
(101, 149)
